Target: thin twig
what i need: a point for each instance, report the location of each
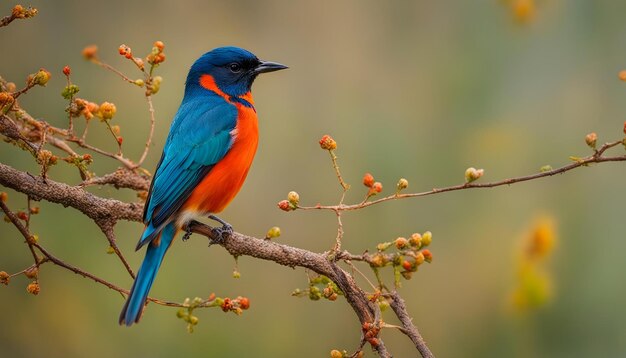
(127, 162)
(579, 162)
(49, 257)
(150, 135)
(23, 230)
(343, 184)
(109, 233)
(112, 69)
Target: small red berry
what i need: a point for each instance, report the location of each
(244, 302)
(284, 205)
(328, 143)
(124, 50)
(22, 215)
(120, 140)
(428, 256)
(377, 187)
(407, 265)
(67, 70)
(159, 45)
(368, 180)
(227, 305)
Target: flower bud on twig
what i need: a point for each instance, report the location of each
(272, 233)
(33, 288)
(90, 52)
(328, 143)
(591, 139)
(402, 184)
(293, 198)
(472, 174)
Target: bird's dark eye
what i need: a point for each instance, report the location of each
(234, 67)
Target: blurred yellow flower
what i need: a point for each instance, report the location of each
(540, 243)
(523, 10)
(533, 286)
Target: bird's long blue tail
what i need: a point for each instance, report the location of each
(133, 308)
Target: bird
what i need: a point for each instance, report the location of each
(207, 155)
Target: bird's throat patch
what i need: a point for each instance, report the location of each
(208, 82)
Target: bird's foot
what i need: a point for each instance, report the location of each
(187, 233)
(220, 233)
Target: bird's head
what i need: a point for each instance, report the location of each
(231, 70)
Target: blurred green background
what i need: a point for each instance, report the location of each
(420, 90)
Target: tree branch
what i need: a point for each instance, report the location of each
(398, 306)
(94, 207)
(596, 157)
(110, 210)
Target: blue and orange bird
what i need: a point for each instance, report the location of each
(207, 155)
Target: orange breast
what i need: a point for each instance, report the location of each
(223, 182)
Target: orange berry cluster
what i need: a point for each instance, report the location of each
(125, 51)
(411, 253)
(21, 12)
(156, 56)
(105, 111)
(370, 332)
(237, 305)
(375, 187)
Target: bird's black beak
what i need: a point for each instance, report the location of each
(267, 66)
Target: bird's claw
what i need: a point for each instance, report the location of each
(187, 234)
(221, 233)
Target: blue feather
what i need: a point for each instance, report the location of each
(199, 137)
(133, 308)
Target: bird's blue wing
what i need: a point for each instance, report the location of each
(199, 137)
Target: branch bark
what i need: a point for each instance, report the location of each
(103, 210)
(398, 306)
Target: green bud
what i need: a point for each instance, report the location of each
(314, 293)
(70, 91)
(272, 233)
(545, 168)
